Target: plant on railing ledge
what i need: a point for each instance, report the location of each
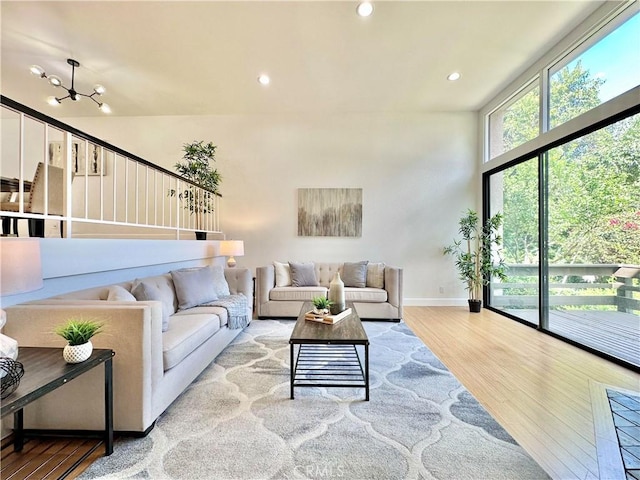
(198, 167)
(475, 260)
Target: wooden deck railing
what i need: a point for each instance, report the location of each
(105, 191)
(617, 285)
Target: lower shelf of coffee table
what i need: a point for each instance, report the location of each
(328, 366)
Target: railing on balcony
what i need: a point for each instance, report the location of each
(103, 190)
(571, 285)
(597, 306)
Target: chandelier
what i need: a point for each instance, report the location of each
(73, 94)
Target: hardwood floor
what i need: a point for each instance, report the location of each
(536, 386)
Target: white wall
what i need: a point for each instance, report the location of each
(418, 173)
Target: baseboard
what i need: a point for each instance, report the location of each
(435, 302)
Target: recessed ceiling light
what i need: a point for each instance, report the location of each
(365, 9)
(263, 79)
(453, 76)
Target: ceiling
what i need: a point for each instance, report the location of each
(203, 57)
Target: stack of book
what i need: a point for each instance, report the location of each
(326, 318)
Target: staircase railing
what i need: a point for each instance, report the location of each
(107, 192)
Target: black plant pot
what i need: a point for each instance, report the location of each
(201, 235)
(475, 306)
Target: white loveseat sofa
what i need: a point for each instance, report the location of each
(379, 296)
(151, 367)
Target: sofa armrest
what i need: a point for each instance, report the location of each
(265, 281)
(133, 330)
(240, 281)
(393, 286)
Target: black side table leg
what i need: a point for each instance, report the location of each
(366, 370)
(18, 431)
(108, 407)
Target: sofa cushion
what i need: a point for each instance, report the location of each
(297, 293)
(220, 284)
(375, 275)
(355, 274)
(221, 312)
(283, 274)
(194, 286)
(303, 274)
(118, 293)
(365, 295)
(145, 291)
(185, 334)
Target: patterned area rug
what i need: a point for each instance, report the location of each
(236, 421)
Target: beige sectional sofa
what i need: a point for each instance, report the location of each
(151, 367)
(379, 297)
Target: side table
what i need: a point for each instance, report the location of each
(44, 371)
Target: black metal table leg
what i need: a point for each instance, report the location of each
(291, 367)
(18, 430)
(108, 407)
(366, 370)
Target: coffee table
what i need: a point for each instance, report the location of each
(327, 355)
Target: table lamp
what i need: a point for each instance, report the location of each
(20, 272)
(232, 248)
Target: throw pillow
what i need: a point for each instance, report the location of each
(283, 274)
(375, 275)
(144, 291)
(118, 293)
(220, 285)
(194, 286)
(303, 274)
(355, 274)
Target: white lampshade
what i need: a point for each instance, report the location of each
(20, 265)
(232, 248)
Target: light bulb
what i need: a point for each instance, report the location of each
(37, 70)
(365, 9)
(55, 80)
(453, 76)
(99, 89)
(264, 79)
(53, 101)
(104, 108)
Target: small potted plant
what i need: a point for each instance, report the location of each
(198, 167)
(321, 305)
(78, 335)
(477, 255)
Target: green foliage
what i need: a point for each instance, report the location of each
(477, 254)
(593, 184)
(198, 167)
(78, 332)
(321, 303)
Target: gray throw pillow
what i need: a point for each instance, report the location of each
(144, 291)
(118, 293)
(194, 286)
(303, 274)
(220, 285)
(355, 274)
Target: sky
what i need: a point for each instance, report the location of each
(616, 59)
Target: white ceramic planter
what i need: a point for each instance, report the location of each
(77, 353)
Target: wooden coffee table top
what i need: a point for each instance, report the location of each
(347, 331)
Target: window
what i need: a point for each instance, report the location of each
(605, 70)
(515, 122)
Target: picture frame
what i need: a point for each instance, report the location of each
(96, 167)
(330, 212)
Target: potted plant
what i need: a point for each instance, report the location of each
(477, 255)
(321, 305)
(197, 166)
(78, 335)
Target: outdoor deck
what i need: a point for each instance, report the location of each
(614, 333)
